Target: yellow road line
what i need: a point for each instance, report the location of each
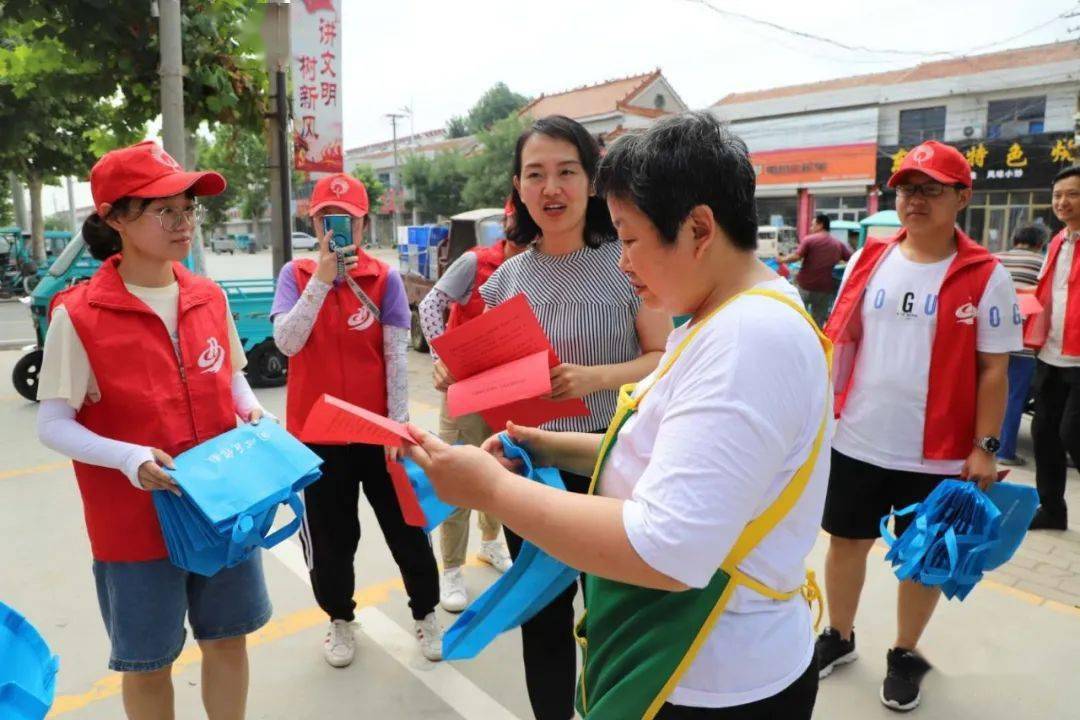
(48, 467)
(291, 624)
(110, 685)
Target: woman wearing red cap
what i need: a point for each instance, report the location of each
(923, 325)
(141, 363)
(343, 320)
(454, 301)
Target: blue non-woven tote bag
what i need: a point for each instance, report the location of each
(958, 532)
(27, 669)
(531, 583)
(435, 510)
(1017, 504)
(231, 488)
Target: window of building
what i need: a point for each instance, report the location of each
(992, 217)
(384, 178)
(1015, 117)
(660, 101)
(841, 207)
(920, 124)
(778, 211)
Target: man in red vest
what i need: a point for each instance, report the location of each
(1055, 335)
(458, 291)
(923, 325)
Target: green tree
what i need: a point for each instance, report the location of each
(494, 105)
(79, 77)
(7, 207)
(489, 171)
(456, 127)
(240, 155)
(375, 188)
(57, 221)
(437, 182)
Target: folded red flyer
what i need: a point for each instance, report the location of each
(521, 379)
(332, 421)
(1029, 304)
(504, 335)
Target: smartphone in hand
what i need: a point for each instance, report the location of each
(340, 229)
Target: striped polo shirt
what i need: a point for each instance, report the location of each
(1023, 266)
(586, 306)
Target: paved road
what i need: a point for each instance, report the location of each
(1007, 652)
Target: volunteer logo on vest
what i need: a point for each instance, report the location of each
(966, 314)
(213, 357)
(361, 319)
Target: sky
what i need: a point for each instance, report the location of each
(438, 57)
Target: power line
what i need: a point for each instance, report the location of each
(862, 48)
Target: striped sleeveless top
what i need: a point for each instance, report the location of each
(586, 306)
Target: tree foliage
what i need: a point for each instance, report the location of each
(490, 170)
(375, 188)
(497, 103)
(437, 182)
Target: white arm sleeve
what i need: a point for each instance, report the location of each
(396, 357)
(59, 430)
(292, 329)
(244, 400)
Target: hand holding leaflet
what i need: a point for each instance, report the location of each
(333, 421)
(478, 354)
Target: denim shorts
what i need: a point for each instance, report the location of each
(144, 604)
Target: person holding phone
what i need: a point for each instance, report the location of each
(343, 320)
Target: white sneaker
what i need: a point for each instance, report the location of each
(429, 633)
(494, 553)
(339, 648)
(452, 593)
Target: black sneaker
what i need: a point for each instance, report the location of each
(1045, 520)
(900, 691)
(831, 650)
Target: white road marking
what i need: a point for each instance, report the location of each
(453, 688)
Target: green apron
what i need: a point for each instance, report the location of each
(636, 642)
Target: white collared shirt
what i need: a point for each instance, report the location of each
(1051, 352)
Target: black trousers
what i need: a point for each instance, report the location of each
(331, 531)
(795, 702)
(547, 641)
(1056, 432)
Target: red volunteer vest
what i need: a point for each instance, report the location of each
(1037, 327)
(343, 355)
(488, 259)
(951, 396)
(149, 396)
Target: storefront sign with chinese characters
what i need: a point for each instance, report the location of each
(1030, 161)
(813, 165)
(316, 73)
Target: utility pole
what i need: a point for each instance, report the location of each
(71, 205)
(275, 33)
(172, 81)
(396, 190)
(173, 134)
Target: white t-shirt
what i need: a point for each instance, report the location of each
(712, 445)
(65, 368)
(885, 413)
(1051, 353)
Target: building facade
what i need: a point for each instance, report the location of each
(830, 146)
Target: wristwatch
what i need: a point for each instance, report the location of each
(988, 444)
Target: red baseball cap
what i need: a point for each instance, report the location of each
(340, 190)
(145, 170)
(942, 162)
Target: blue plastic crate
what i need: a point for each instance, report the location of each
(27, 669)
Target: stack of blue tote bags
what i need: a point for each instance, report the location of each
(959, 532)
(231, 488)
